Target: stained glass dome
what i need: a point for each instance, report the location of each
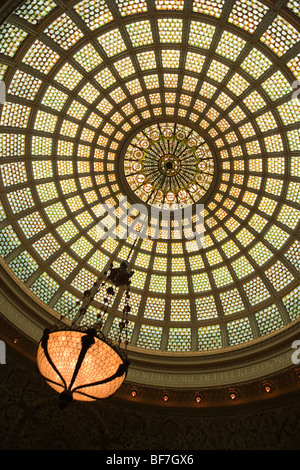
(169, 166)
(192, 100)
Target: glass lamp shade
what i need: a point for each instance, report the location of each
(80, 364)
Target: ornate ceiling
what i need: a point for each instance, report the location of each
(182, 101)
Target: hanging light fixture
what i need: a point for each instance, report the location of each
(79, 362)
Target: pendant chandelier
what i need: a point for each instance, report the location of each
(79, 362)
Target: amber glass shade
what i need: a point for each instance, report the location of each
(80, 365)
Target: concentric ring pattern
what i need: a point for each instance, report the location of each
(169, 166)
(82, 80)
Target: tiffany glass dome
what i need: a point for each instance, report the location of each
(169, 166)
(166, 103)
